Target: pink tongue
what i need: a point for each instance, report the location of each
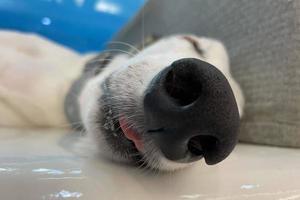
(131, 134)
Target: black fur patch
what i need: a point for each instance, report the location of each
(195, 45)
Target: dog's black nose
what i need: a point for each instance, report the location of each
(191, 112)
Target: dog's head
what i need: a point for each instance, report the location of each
(165, 107)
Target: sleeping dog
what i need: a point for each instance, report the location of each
(165, 106)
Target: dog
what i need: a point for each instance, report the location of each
(164, 107)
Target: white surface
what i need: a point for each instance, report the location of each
(40, 165)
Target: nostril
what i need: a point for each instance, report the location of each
(201, 144)
(195, 147)
(183, 85)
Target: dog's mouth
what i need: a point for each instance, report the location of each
(122, 138)
(131, 134)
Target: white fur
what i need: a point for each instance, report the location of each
(35, 75)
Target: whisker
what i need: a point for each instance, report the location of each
(143, 28)
(98, 60)
(124, 43)
(118, 50)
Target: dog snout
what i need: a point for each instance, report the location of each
(191, 112)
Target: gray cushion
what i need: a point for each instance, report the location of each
(263, 40)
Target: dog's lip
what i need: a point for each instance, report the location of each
(131, 134)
